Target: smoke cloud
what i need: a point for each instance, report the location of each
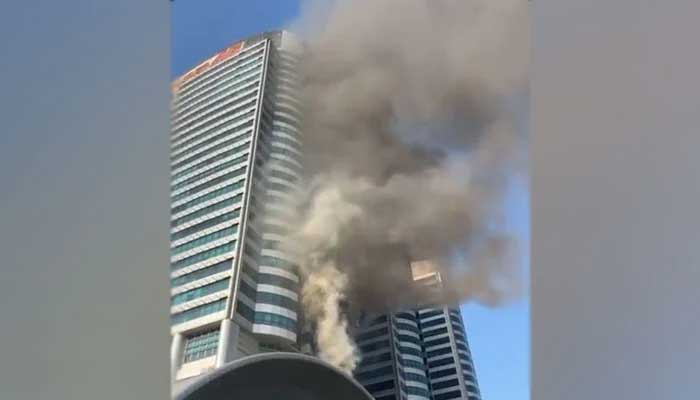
(408, 146)
(322, 295)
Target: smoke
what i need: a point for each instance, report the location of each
(322, 295)
(408, 147)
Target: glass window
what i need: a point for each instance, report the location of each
(245, 311)
(411, 351)
(275, 320)
(200, 291)
(211, 195)
(456, 394)
(226, 232)
(242, 131)
(280, 187)
(206, 224)
(406, 315)
(406, 327)
(201, 346)
(216, 251)
(417, 391)
(208, 184)
(199, 119)
(472, 388)
(439, 352)
(198, 312)
(375, 359)
(209, 150)
(380, 386)
(374, 346)
(375, 373)
(428, 314)
(291, 165)
(250, 251)
(206, 210)
(289, 142)
(276, 262)
(441, 362)
(415, 377)
(202, 164)
(208, 172)
(202, 273)
(413, 364)
(208, 78)
(286, 109)
(249, 270)
(276, 280)
(249, 82)
(372, 334)
(445, 384)
(233, 200)
(239, 123)
(283, 151)
(283, 175)
(467, 367)
(437, 342)
(277, 300)
(443, 373)
(410, 339)
(283, 128)
(434, 322)
(248, 290)
(435, 332)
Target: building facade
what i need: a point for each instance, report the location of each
(417, 354)
(235, 159)
(236, 152)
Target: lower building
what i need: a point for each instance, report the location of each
(416, 354)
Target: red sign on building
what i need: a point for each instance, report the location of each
(206, 65)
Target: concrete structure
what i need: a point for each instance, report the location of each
(417, 354)
(296, 377)
(235, 158)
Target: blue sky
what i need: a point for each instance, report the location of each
(202, 27)
(499, 337)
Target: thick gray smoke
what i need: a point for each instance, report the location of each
(408, 146)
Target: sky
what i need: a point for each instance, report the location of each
(499, 337)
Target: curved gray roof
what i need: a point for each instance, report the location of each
(274, 376)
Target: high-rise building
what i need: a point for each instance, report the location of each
(236, 153)
(235, 158)
(417, 354)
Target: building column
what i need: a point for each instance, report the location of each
(177, 347)
(228, 338)
(455, 351)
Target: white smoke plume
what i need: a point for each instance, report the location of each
(322, 294)
(408, 145)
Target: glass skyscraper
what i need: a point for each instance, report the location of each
(417, 354)
(235, 158)
(236, 152)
